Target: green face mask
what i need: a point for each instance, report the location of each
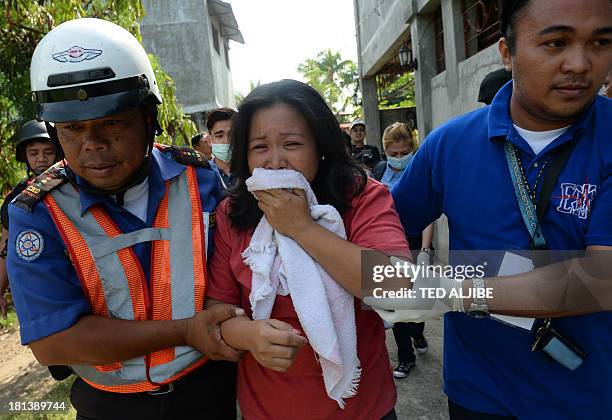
(221, 151)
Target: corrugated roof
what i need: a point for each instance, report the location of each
(229, 27)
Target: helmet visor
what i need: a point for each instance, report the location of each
(88, 102)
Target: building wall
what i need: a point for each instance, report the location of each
(224, 87)
(471, 72)
(179, 33)
(381, 28)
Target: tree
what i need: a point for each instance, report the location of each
(22, 25)
(239, 96)
(334, 78)
(397, 91)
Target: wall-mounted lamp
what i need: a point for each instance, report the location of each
(406, 58)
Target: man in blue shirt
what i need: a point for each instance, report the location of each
(559, 52)
(107, 249)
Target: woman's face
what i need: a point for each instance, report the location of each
(280, 138)
(399, 149)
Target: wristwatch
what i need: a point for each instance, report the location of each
(479, 307)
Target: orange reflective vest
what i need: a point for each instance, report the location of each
(114, 282)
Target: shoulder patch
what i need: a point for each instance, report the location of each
(41, 186)
(29, 245)
(184, 155)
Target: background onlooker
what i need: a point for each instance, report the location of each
(219, 124)
(399, 147)
(201, 143)
(491, 84)
(361, 152)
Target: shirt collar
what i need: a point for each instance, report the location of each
(500, 122)
(161, 169)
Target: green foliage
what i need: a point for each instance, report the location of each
(397, 91)
(335, 79)
(22, 24)
(239, 96)
(10, 322)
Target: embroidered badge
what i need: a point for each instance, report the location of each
(76, 54)
(577, 199)
(29, 245)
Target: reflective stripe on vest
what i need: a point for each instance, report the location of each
(114, 283)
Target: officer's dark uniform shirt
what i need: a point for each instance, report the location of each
(10, 196)
(48, 296)
(368, 155)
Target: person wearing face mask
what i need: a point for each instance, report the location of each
(399, 147)
(219, 124)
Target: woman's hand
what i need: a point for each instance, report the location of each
(287, 211)
(274, 344)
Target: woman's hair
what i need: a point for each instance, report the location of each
(338, 179)
(397, 132)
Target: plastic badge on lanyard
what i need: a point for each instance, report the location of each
(550, 341)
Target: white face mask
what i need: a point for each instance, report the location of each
(399, 163)
(221, 151)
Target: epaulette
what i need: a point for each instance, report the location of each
(184, 155)
(41, 186)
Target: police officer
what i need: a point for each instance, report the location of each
(110, 245)
(33, 147)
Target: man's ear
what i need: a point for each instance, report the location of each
(506, 56)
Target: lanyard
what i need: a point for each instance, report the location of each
(521, 189)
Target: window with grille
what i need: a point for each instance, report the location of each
(480, 24)
(439, 41)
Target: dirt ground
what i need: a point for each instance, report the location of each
(21, 376)
(420, 395)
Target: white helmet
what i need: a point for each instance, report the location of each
(90, 68)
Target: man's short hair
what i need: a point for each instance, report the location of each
(195, 140)
(219, 114)
(509, 12)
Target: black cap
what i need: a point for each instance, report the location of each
(492, 83)
(32, 130)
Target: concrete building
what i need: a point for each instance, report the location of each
(191, 40)
(455, 46)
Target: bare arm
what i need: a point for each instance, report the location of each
(289, 214)
(97, 340)
(339, 257)
(273, 343)
(575, 287)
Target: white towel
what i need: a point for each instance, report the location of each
(325, 309)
